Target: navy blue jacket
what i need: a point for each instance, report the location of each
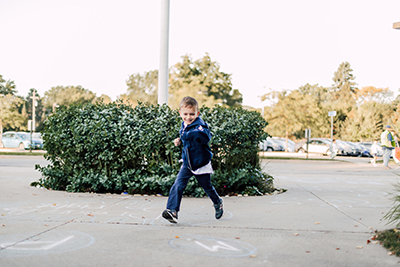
(196, 152)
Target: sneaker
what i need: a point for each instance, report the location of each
(170, 215)
(219, 209)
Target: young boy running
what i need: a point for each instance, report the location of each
(196, 156)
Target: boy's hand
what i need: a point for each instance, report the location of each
(177, 141)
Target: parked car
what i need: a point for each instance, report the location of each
(351, 149)
(299, 145)
(265, 146)
(271, 145)
(291, 145)
(341, 150)
(316, 145)
(36, 136)
(276, 144)
(364, 152)
(19, 140)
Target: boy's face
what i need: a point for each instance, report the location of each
(188, 114)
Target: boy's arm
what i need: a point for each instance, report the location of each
(202, 137)
(177, 141)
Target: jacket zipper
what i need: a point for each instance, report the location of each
(188, 159)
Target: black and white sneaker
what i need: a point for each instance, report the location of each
(170, 215)
(219, 209)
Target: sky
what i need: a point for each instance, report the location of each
(263, 44)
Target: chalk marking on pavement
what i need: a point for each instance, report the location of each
(221, 245)
(212, 246)
(25, 245)
(48, 230)
(58, 243)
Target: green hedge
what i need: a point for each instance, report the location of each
(116, 148)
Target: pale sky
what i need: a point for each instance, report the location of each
(262, 43)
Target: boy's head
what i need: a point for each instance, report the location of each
(189, 109)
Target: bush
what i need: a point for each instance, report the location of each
(393, 215)
(390, 239)
(116, 148)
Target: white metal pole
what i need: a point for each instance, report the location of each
(331, 135)
(163, 70)
(33, 109)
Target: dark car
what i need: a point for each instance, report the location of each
(364, 151)
(348, 149)
(356, 149)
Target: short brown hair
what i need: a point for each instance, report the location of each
(188, 101)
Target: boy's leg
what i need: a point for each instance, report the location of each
(205, 182)
(175, 194)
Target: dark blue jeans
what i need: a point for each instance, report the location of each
(176, 192)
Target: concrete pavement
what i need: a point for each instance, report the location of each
(325, 218)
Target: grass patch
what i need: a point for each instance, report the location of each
(390, 239)
(22, 153)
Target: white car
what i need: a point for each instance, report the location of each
(316, 145)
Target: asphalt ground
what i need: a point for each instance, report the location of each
(329, 212)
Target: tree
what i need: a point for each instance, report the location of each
(10, 117)
(319, 93)
(290, 113)
(364, 123)
(143, 88)
(67, 95)
(360, 113)
(366, 120)
(371, 93)
(203, 80)
(104, 98)
(344, 89)
(40, 110)
(342, 95)
(7, 87)
(280, 120)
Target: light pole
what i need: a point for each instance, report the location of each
(33, 109)
(163, 70)
(33, 117)
(1, 119)
(332, 114)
